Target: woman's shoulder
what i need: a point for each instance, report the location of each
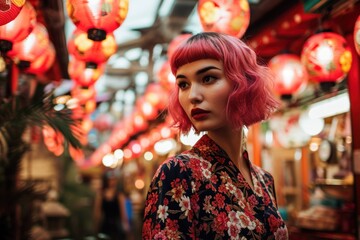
(263, 173)
(177, 163)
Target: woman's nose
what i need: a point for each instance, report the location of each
(195, 94)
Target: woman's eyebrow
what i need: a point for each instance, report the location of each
(200, 71)
(205, 69)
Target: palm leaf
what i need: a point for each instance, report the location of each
(14, 118)
(16, 115)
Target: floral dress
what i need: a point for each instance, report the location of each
(201, 194)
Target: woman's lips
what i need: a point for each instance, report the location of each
(199, 114)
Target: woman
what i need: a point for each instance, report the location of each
(213, 191)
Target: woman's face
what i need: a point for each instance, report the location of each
(203, 94)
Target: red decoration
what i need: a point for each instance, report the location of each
(18, 29)
(83, 94)
(156, 95)
(53, 140)
(35, 54)
(104, 122)
(9, 10)
(42, 63)
(290, 75)
(148, 110)
(176, 42)
(87, 50)
(83, 73)
(225, 16)
(86, 125)
(135, 148)
(77, 154)
(97, 18)
(357, 35)
(165, 76)
(327, 58)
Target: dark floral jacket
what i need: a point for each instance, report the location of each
(201, 194)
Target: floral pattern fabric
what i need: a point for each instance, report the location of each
(201, 194)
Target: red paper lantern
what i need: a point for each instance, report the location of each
(35, 54)
(85, 49)
(140, 123)
(357, 35)
(165, 76)
(42, 63)
(327, 58)
(156, 95)
(84, 74)
(290, 75)
(86, 125)
(83, 94)
(176, 42)
(9, 10)
(225, 16)
(97, 18)
(149, 111)
(18, 29)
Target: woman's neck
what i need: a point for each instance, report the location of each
(231, 142)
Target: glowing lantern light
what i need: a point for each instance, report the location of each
(225, 16)
(327, 58)
(108, 160)
(86, 124)
(165, 131)
(120, 136)
(87, 50)
(139, 184)
(140, 122)
(148, 156)
(97, 17)
(127, 153)
(135, 147)
(17, 29)
(165, 76)
(35, 54)
(83, 94)
(9, 10)
(144, 142)
(176, 42)
(84, 74)
(119, 154)
(146, 109)
(90, 106)
(357, 35)
(42, 63)
(156, 95)
(290, 75)
(191, 138)
(164, 146)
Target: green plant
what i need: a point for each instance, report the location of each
(16, 116)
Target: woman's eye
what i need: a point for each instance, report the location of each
(182, 85)
(208, 79)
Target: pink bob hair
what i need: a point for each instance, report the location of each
(251, 100)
